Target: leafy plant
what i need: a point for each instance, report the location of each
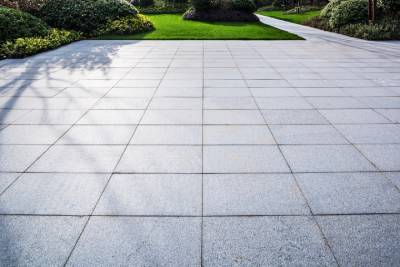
(326, 12)
(15, 23)
(84, 15)
(142, 3)
(247, 6)
(349, 12)
(202, 5)
(130, 25)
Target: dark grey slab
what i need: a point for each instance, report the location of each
(264, 241)
(126, 241)
(363, 240)
(37, 241)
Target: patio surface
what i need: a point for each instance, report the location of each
(213, 153)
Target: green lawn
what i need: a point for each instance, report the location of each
(295, 18)
(173, 27)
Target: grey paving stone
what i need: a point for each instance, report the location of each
(283, 103)
(353, 116)
(264, 241)
(181, 83)
(179, 92)
(146, 92)
(237, 134)
(363, 240)
(349, 193)
(9, 115)
(386, 157)
(138, 83)
(227, 92)
(36, 240)
(50, 117)
(252, 194)
(229, 103)
(79, 158)
(152, 194)
(394, 177)
(176, 103)
(122, 103)
(307, 134)
(311, 91)
(74, 92)
(161, 159)
(32, 134)
(371, 133)
(381, 102)
(243, 159)
(6, 179)
(222, 73)
(268, 83)
(293, 117)
(168, 135)
(325, 158)
(139, 241)
(84, 83)
(233, 117)
(274, 92)
(224, 83)
(111, 117)
(98, 135)
(16, 158)
(391, 114)
(335, 102)
(53, 194)
(172, 117)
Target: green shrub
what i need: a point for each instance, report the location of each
(84, 15)
(390, 6)
(349, 12)
(247, 6)
(130, 25)
(22, 47)
(326, 12)
(383, 30)
(142, 3)
(15, 24)
(202, 5)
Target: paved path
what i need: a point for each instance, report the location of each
(182, 153)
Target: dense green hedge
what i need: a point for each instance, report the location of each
(15, 24)
(349, 12)
(22, 47)
(129, 25)
(86, 16)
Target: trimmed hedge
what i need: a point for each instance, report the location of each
(15, 24)
(86, 16)
(130, 25)
(23, 47)
(247, 6)
(349, 12)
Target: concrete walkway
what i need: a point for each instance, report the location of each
(213, 153)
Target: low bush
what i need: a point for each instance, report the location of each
(220, 15)
(164, 10)
(202, 5)
(383, 30)
(130, 25)
(27, 46)
(326, 12)
(390, 7)
(247, 6)
(84, 15)
(349, 12)
(15, 23)
(142, 3)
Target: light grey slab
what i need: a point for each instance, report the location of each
(176, 103)
(273, 92)
(146, 92)
(325, 158)
(293, 117)
(394, 177)
(168, 135)
(243, 159)
(172, 117)
(307, 134)
(111, 117)
(138, 83)
(161, 159)
(229, 103)
(282, 103)
(233, 117)
(139, 242)
(75, 92)
(98, 135)
(381, 102)
(336, 103)
(349, 193)
(371, 133)
(391, 114)
(252, 194)
(36, 240)
(50, 117)
(179, 92)
(363, 240)
(6, 179)
(237, 134)
(53, 194)
(9, 115)
(122, 103)
(16, 158)
(78, 158)
(32, 134)
(353, 116)
(225, 83)
(386, 157)
(227, 92)
(152, 194)
(264, 241)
